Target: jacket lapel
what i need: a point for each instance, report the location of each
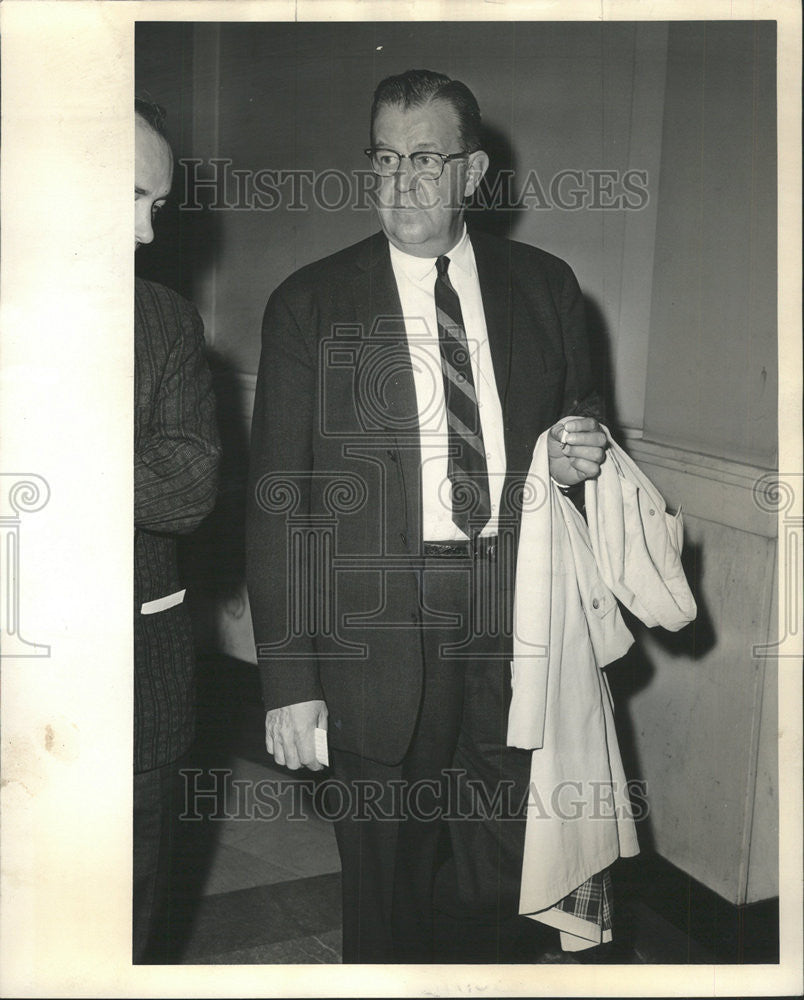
(494, 275)
(515, 340)
(385, 378)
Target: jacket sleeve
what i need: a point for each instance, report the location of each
(176, 460)
(582, 397)
(278, 500)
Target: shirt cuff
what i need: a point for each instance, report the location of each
(561, 486)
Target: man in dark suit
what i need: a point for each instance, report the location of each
(176, 455)
(402, 386)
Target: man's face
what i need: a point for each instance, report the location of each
(424, 217)
(153, 173)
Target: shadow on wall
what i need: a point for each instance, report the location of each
(497, 208)
(600, 355)
(492, 207)
(635, 671)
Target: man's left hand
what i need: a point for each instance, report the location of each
(576, 448)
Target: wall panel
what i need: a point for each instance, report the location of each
(698, 704)
(712, 374)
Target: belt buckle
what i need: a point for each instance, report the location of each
(446, 549)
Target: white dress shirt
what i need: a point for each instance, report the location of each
(415, 279)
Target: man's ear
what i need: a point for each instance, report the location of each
(478, 165)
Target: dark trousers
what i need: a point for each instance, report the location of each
(488, 834)
(477, 888)
(156, 806)
(476, 895)
(389, 852)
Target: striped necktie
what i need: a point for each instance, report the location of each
(466, 468)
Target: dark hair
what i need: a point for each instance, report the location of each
(416, 87)
(152, 113)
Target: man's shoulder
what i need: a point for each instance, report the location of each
(150, 295)
(522, 260)
(163, 319)
(519, 256)
(337, 267)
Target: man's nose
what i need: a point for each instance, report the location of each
(143, 227)
(404, 178)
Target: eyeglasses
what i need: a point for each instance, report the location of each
(424, 164)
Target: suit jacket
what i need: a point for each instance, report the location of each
(176, 455)
(334, 499)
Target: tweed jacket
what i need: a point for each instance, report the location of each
(176, 456)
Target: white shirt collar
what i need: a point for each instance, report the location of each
(420, 268)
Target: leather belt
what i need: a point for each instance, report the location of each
(482, 547)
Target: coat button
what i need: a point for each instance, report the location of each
(595, 604)
(651, 512)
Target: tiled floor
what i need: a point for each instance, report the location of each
(269, 885)
(259, 876)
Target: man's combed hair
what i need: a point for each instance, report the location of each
(416, 87)
(154, 114)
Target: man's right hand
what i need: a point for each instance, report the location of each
(289, 733)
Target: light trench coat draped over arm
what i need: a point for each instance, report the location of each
(567, 626)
